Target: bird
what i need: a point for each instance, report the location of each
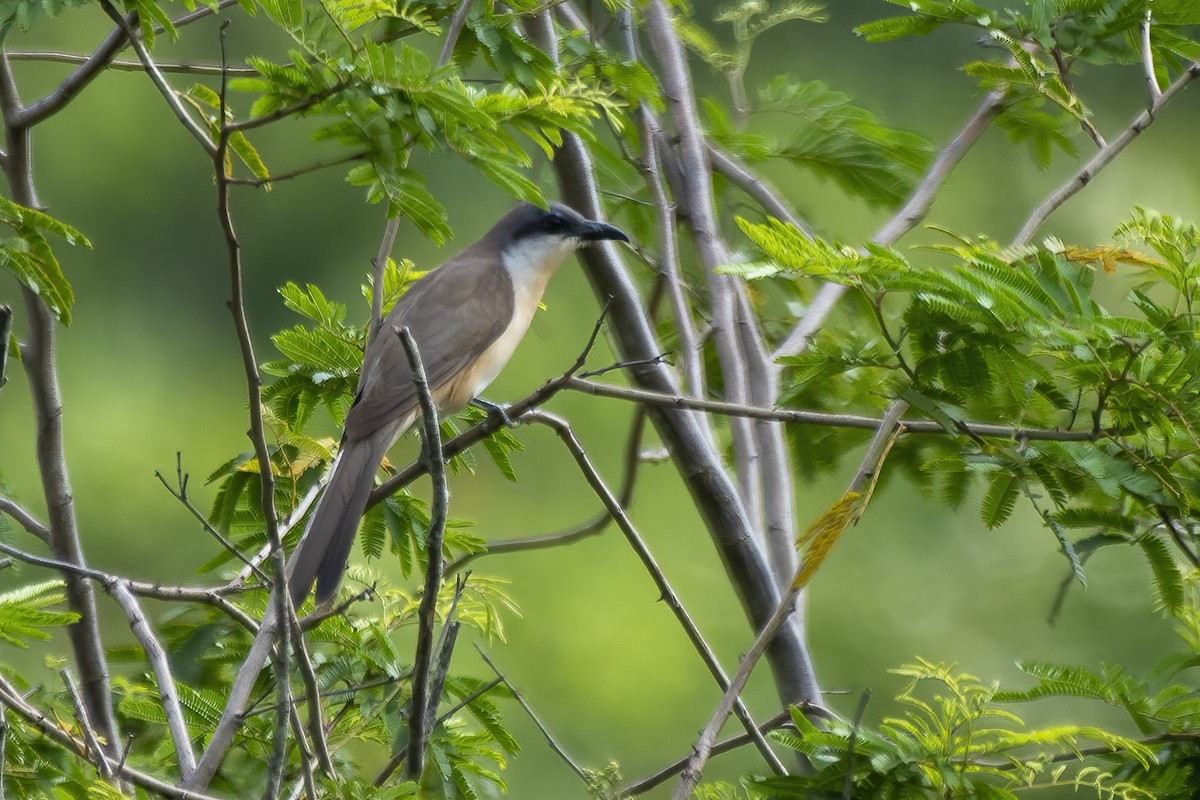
(466, 317)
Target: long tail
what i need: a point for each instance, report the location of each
(325, 547)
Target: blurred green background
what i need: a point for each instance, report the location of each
(150, 367)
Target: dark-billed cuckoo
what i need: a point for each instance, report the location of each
(467, 317)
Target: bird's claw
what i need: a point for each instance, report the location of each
(494, 412)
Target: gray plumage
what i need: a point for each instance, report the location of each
(466, 318)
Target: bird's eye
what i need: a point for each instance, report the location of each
(554, 223)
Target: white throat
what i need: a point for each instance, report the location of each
(530, 264)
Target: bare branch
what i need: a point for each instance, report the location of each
(180, 494)
(820, 417)
(85, 725)
(697, 461)
(39, 359)
(156, 76)
(666, 591)
(520, 698)
(299, 171)
(633, 459)
(6, 326)
(24, 518)
(780, 720)
(756, 187)
(678, 93)
(455, 30)
(427, 611)
(1103, 158)
(867, 473)
(163, 677)
(181, 67)
(78, 80)
(691, 355)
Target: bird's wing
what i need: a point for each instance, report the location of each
(454, 314)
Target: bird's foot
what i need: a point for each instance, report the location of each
(494, 412)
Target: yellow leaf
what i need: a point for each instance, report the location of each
(814, 545)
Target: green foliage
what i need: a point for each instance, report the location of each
(26, 612)
(29, 258)
(382, 99)
(955, 738)
(1015, 337)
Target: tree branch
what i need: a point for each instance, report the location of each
(427, 611)
(697, 461)
(163, 677)
(666, 592)
(183, 68)
(24, 518)
(866, 475)
(157, 78)
(541, 726)
(39, 359)
(78, 80)
(1104, 157)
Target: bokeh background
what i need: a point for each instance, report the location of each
(151, 366)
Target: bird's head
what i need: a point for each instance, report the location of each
(543, 237)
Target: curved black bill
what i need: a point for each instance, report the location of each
(596, 231)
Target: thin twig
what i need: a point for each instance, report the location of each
(866, 475)
(85, 725)
(189, 123)
(541, 726)
(1173, 529)
(782, 719)
(820, 417)
(1102, 159)
(23, 517)
(164, 679)
(180, 494)
(181, 67)
(427, 611)
(6, 326)
(299, 171)
(77, 81)
(633, 459)
(312, 691)
(666, 592)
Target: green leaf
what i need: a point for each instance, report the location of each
(1000, 499)
(25, 612)
(1168, 580)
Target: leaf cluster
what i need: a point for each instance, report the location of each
(1016, 337)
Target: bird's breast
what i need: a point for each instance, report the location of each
(529, 279)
